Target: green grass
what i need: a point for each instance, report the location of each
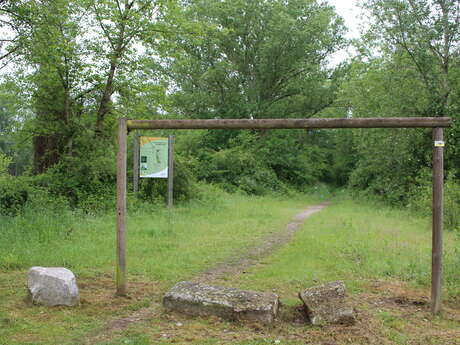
(356, 242)
(162, 244)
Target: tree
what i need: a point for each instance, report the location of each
(255, 59)
(121, 24)
(74, 53)
(408, 66)
(428, 32)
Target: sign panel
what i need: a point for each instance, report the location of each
(153, 157)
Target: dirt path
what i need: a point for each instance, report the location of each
(254, 254)
(229, 267)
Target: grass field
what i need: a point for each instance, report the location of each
(382, 254)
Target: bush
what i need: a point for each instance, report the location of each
(259, 162)
(87, 179)
(14, 194)
(239, 169)
(4, 164)
(420, 198)
(21, 194)
(156, 190)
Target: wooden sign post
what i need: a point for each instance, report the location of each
(170, 171)
(121, 207)
(136, 164)
(437, 233)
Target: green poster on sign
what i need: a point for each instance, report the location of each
(153, 157)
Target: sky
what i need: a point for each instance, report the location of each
(350, 12)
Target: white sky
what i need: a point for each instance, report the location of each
(350, 12)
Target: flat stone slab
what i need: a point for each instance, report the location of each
(198, 299)
(327, 304)
(52, 286)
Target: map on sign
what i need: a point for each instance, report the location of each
(153, 157)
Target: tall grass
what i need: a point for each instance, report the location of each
(356, 242)
(162, 244)
(350, 240)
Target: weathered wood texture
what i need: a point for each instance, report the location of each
(136, 164)
(387, 122)
(121, 207)
(170, 171)
(438, 181)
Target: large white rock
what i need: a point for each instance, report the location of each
(52, 286)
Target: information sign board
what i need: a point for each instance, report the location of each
(153, 161)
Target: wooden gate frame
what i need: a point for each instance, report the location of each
(436, 123)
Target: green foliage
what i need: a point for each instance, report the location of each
(14, 193)
(236, 168)
(77, 69)
(420, 198)
(415, 73)
(87, 180)
(259, 162)
(4, 164)
(255, 58)
(19, 195)
(423, 32)
(388, 161)
(185, 188)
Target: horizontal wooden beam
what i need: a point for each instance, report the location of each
(374, 122)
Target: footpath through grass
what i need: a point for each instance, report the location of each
(163, 247)
(382, 254)
(357, 241)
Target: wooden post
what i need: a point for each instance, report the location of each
(136, 164)
(170, 170)
(121, 207)
(438, 180)
(386, 122)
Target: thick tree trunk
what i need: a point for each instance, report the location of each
(46, 152)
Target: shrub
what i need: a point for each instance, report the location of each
(238, 169)
(4, 164)
(261, 162)
(156, 190)
(86, 180)
(19, 194)
(14, 193)
(420, 198)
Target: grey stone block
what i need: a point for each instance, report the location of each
(327, 304)
(233, 304)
